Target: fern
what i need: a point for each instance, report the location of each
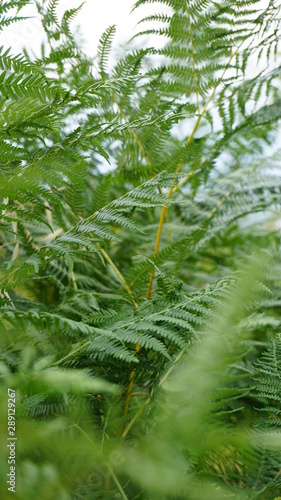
(143, 351)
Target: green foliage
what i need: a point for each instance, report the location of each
(139, 304)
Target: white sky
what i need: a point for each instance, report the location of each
(94, 18)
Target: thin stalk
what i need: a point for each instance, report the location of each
(118, 274)
(121, 491)
(132, 377)
(136, 416)
(73, 279)
(164, 210)
(171, 367)
(140, 411)
(135, 304)
(71, 354)
(157, 243)
(178, 169)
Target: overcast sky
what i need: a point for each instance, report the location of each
(94, 18)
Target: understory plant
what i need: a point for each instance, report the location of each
(140, 271)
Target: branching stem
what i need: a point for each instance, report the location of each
(164, 209)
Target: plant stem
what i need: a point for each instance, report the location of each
(122, 492)
(178, 169)
(164, 210)
(118, 273)
(71, 354)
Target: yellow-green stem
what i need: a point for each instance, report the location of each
(163, 214)
(118, 274)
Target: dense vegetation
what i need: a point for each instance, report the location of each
(140, 324)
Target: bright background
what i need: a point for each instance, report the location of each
(93, 19)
